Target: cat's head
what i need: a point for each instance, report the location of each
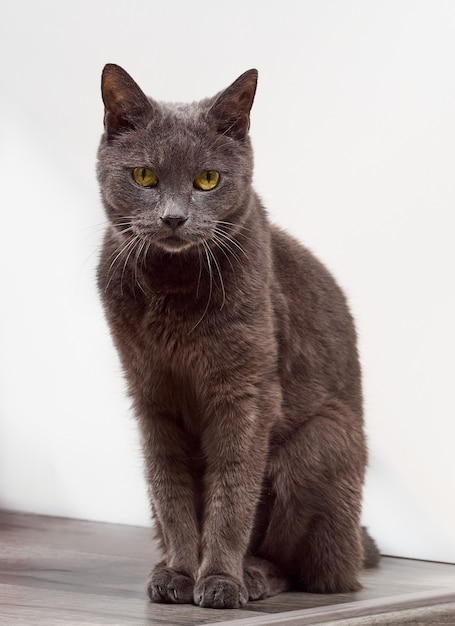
(175, 175)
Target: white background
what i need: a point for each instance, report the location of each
(354, 133)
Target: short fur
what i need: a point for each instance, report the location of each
(240, 356)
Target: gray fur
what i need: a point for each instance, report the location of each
(240, 357)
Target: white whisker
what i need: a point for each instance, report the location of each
(221, 233)
(223, 247)
(144, 256)
(236, 227)
(217, 265)
(123, 249)
(137, 256)
(209, 267)
(136, 240)
(200, 273)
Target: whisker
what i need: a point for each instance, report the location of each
(237, 227)
(217, 265)
(101, 226)
(126, 230)
(144, 256)
(120, 224)
(136, 240)
(125, 220)
(209, 267)
(222, 246)
(200, 273)
(122, 250)
(137, 255)
(221, 233)
(131, 218)
(233, 224)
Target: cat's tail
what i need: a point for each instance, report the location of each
(371, 553)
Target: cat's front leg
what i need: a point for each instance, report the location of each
(173, 500)
(236, 443)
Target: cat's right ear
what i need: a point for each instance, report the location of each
(125, 104)
(231, 108)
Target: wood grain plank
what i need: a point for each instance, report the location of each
(349, 610)
(68, 572)
(34, 606)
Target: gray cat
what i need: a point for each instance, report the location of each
(240, 357)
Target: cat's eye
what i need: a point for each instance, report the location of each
(145, 177)
(207, 180)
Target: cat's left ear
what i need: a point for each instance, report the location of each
(125, 104)
(231, 108)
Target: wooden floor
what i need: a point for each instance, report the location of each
(57, 571)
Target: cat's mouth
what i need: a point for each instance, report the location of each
(170, 240)
(174, 243)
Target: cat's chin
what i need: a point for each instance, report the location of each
(175, 244)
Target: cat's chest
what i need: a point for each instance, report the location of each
(164, 362)
(166, 338)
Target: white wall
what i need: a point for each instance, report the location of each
(354, 132)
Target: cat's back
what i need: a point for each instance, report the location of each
(304, 279)
(315, 330)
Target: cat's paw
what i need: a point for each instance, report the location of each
(263, 578)
(256, 583)
(220, 592)
(168, 585)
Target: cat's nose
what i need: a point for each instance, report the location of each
(173, 221)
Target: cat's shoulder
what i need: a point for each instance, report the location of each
(298, 268)
(288, 250)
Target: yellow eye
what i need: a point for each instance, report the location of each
(145, 177)
(207, 180)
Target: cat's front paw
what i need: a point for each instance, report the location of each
(263, 578)
(168, 585)
(256, 584)
(220, 592)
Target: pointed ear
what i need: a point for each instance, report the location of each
(231, 108)
(125, 103)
